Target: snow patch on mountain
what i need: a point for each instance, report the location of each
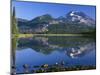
(80, 17)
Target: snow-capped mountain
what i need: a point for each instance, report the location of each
(73, 22)
(80, 17)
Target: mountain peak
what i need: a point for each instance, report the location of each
(77, 13)
(79, 17)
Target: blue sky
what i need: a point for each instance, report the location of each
(30, 10)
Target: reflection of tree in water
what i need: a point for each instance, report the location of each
(13, 58)
(14, 46)
(47, 45)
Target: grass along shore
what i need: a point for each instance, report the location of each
(31, 35)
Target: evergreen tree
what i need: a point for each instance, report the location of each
(14, 22)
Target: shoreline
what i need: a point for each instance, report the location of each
(32, 35)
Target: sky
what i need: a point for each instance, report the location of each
(30, 10)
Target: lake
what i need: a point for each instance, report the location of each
(40, 50)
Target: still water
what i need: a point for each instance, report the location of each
(36, 51)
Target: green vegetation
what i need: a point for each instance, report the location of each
(14, 23)
(70, 29)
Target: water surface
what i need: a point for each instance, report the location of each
(36, 51)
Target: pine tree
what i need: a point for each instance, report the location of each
(14, 22)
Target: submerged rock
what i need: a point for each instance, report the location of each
(25, 66)
(45, 66)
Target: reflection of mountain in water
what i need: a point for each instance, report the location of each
(72, 46)
(39, 44)
(80, 51)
